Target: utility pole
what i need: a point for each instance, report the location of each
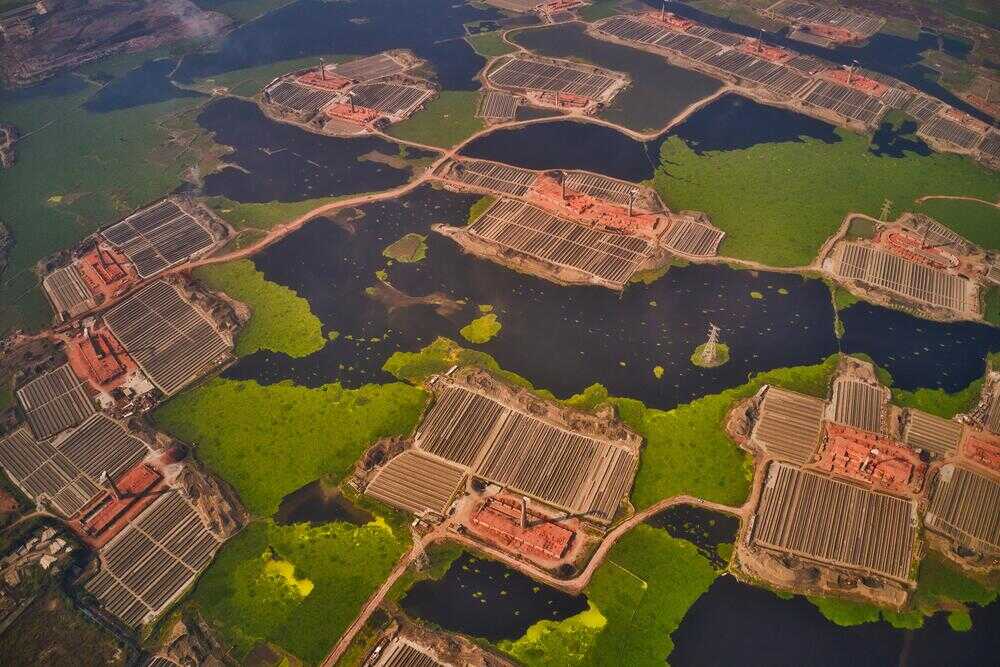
(708, 353)
(663, 8)
(322, 68)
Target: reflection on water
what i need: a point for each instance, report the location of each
(483, 598)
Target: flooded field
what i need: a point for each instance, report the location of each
(274, 161)
(591, 334)
(658, 91)
(483, 598)
(706, 529)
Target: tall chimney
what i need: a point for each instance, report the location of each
(109, 484)
(524, 512)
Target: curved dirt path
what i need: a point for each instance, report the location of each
(573, 586)
(921, 200)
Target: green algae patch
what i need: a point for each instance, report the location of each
(757, 296)
(645, 589)
(303, 592)
(558, 643)
(658, 372)
(938, 401)
(977, 221)
(846, 613)
(445, 121)
(442, 354)
(482, 329)
(281, 320)
(779, 202)
(842, 298)
(485, 308)
(960, 621)
(409, 249)
(479, 207)
(489, 44)
(268, 441)
(721, 356)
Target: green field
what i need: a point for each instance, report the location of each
(447, 120)
(489, 44)
(281, 320)
(599, 9)
(637, 598)
(296, 586)
(408, 249)
(79, 170)
(778, 202)
(976, 221)
(277, 438)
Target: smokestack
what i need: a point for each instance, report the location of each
(524, 512)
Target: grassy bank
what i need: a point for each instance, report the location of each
(297, 586)
(489, 44)
(637, 598)
(778, 202)
(447, 120)
(281, 320)
(277, 438)
(976, 221)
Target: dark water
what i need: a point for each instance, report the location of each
(736, 624)
(313, 27)
(729, 123)
(897, 140)
(733, 122)
(703, 528)
(287, 163)
(147, 84)
(919, 353)
(658, 91)
(570, 145)
(483, 598)
(317, 504)
(578, 335)
(888, 54)
(64, 84)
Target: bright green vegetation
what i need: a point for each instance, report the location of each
(846, 612)
(482, 329)
(599, 9)
(108, 165)
(960, 621)
(658, 372)
(439, 356)
(480, 207)
(411, 248)
(991, 305)
(489, 44)
(485, 308)
(277, 438)
(756, 295)
(264, 216)
(739, 11)
(940, 586)
(766, 197)
(938, 401)
(721, 356)
(951, 72)
(637, 598)
(52, 632)
(977, 221)
(564, 642)
(280, 320)
(687, 450)
(842, 299)
(297, 586)
(447, 120)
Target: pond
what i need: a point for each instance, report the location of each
(737, 624)
(483, 598)
(318, 503)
